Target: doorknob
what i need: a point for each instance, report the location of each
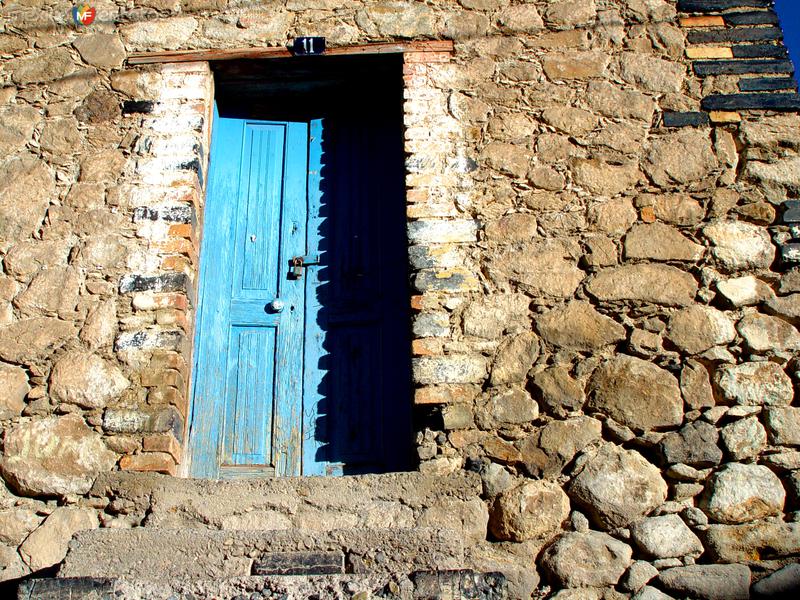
(275, 306)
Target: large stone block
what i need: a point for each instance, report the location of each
(666, 536)
(591, 559)
(694, 444)
(26, 187)
(744, 439)
(578, 326)
(160, 33)
(652, 74)
(754, 384)
(47, 546)
(557, 391)
(616, 487)
(546, 267)
(575, 64)
(453, 368)
(743, 492)
(659, 284)
(19, 122)
(783, 425)
(42, 67)
(765, 333)
(54, 456)
(605, 179)
(636, 393)
(104, 50)
(490, 316)
(680, 158)
(708, 582)
(514, 358)
(660, 242)
(546, 452)
(13, 389)
(753, 542)
(697, 328)
(532, 510)
(739, 245)
(31, 340)
(86, 380)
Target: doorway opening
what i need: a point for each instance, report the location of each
(302, 346)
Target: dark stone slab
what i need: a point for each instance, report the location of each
(166, 282)
(172, 214)
(738, 34)
(765, 84)
(704, 68)
(706, 6)
(791, 211)
(299, 563)
(65, 588)
(790, 252)
(130, 107)
(792, 216)
(171, 340)
(684, 119)
(752, 101)
(759, 51)
(753, 17)
(433, 585)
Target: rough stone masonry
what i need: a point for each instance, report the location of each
(602, 207)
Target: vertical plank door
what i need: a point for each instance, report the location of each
(247, 406)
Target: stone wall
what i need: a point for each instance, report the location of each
(604, 326)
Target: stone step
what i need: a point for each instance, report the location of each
(396, 500)
(444, 585)
(146, 553)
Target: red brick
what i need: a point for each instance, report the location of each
(416, 302)
(427, 57)
(166, 377)
(426, 347)
(169, 395)
(172, 300)
(163, 442)
(158, 462)
(177, 246)
(417, 195)
(445, 394)
(177, 262)
(710, 21)
(168, 360)
(181, 230)
(171, 316)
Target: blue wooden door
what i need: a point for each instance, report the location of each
(299, 375)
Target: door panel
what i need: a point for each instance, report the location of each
(358, 398)
(249, 360)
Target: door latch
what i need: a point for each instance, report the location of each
(298, 263)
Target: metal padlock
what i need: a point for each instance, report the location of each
(297, 267)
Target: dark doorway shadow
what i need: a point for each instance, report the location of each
(361, 406)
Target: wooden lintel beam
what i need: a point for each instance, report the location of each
(144, 58)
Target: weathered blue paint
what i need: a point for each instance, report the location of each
(249, 362)
(313, 397)
(322, 386)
